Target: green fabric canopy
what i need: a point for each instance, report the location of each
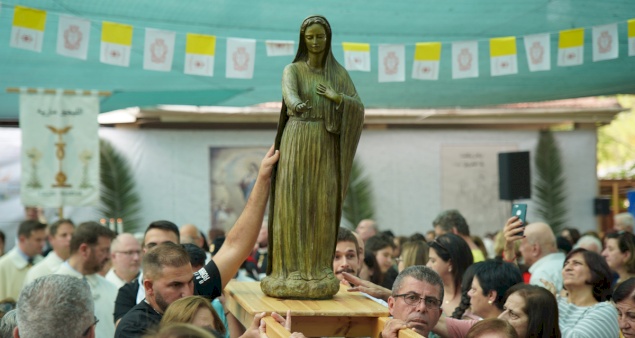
(369, 21)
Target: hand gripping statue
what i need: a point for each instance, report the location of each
(320, 124)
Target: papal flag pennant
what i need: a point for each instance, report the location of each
(503, 57)
(392, 63)
(605, 42)
(73, 35)
(279, 47)
(116, 41)
(464, 59)
(538, 49)
(159, 50)
(241, 58)
(571, 47)
(356, 56)
(631, 37)
(199, 54)
(28, 28)
(426, 61)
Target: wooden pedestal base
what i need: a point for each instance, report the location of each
(348, 314)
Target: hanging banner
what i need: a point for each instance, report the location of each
(116, 41)
(631, 37)
(241, 58)
(464, 59)
(571, 47)
(502, 52)
(60, 149)
(279, 47)
(356, 56)
(538, 49)
(605, 42)
(392, 63)
(28, 28)
(199, 54)
(426, 61)
(73, 35)
(158, 51)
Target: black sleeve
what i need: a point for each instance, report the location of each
(207, 281)
(126, 299)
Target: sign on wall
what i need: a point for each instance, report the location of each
(60, 149)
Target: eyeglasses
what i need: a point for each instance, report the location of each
(88, 329)
(413, 299)
(130, 252)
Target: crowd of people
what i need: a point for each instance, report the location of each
(169, 282)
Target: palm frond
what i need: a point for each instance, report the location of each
(358, 203)
(549, 187)
(118, 196)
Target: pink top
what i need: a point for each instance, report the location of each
(458, 328)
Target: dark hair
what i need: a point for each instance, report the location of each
(162, 255)
(371, 262)
(574, 234)
(165, 226)
(27, 227)
(563, 244)
(378, 242)
(626, 243)
(466, 285)
(449, 219)
(205, 244)
(624, 291)
(89, 233)
(541, 308)
(197, 254)
(345, 235)
(53, 227)
(2, 236)
(417, 237)
(452, 248)
(499, 276)
(388, 233)
(492, 325)
(600, 273)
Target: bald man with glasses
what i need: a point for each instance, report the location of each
(125, 254)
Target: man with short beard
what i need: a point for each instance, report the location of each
(345, 258)
(90, 251)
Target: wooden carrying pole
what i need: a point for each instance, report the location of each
(16, 90)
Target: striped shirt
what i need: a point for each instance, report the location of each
(596, 321)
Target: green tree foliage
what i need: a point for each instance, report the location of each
(118, 196)
(358, 203)
(549, 187)
(616, 143)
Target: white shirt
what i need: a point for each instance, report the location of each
(104, 295)
(46, 267)
(548, 268)
(112, 277)
(13, 270)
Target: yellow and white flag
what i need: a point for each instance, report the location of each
(538, 49)
(116, 42)
(605, 42)
(631, 37)
(28, 28)
(159, 50)
(391, 63)
(356, 56)
(464, 59)
(279, 47)
(241, 58)
(199, 54)
(503, 56)
(73, 35)
(571, 47)
(426, 61)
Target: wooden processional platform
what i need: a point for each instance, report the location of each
(348, 314)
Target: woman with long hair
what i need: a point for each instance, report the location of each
(320, 124)
(412, 253)
(194, 310)
(532, 310)
(450, 256)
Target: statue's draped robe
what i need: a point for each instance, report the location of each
(317, 148)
